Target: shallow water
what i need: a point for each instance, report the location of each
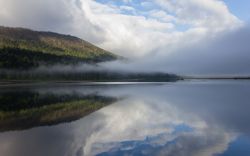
(195, 118)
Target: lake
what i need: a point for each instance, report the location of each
(185, 118)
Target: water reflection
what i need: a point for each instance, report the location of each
(184, 118)
(23, 109)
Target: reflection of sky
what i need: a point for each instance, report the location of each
(150, 145)
(136, 127)
(241, 146)
(196, 119)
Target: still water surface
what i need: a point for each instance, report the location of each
(194, 118)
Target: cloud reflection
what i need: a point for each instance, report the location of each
(135, 126)
(187, 118)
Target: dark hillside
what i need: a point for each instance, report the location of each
(24, 44)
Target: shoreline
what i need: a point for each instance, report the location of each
(23, 83)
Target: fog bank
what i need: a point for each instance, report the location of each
(225, 54)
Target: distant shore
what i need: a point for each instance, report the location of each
(23, 83)
(27, 83)
(218, 77)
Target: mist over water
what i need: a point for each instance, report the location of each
(225, 54)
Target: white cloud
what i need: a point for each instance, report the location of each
(201, 13)
(125, 34)
(128, 35)
(150, 31)
(127, 1)
(161, 15)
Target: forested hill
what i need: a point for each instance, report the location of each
(24, 48)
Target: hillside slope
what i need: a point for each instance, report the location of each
(24, 48)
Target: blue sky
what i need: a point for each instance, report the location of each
(240, 8)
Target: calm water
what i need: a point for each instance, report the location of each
(192, 118)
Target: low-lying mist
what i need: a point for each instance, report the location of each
(84, 72)
(225, 54)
